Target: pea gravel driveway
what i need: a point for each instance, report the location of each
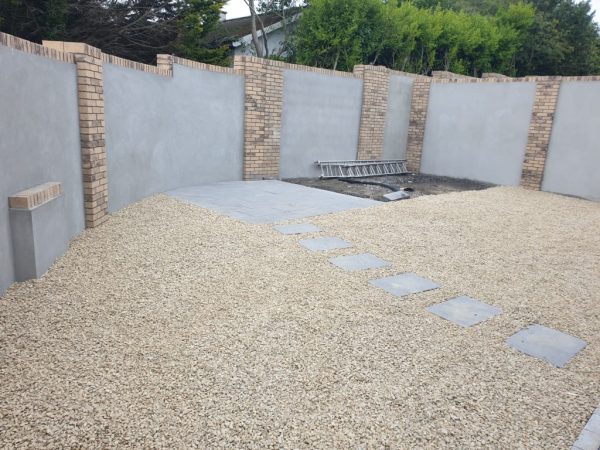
(172, 326)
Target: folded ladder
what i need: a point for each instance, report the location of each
(364, 168)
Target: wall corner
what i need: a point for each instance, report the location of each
(540, 130)
(417, 122)
(373, 110)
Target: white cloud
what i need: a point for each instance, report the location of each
(238, 8)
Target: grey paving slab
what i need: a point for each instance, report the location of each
(464, 311)
(362, 261)
(404, 284)
(324, 243)
(397, 195)
(546, 343)
(268, 201)
(297, 228)
(593, 424)
(587, 440)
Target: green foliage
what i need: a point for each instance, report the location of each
(342, 33)
(38, 19)
(198, 18)
(463, 36)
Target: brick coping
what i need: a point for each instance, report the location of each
(285, 65)
(35, 196)
(16, 43)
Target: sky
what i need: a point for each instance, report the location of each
(238, 8)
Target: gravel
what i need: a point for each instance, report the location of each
(173, 326)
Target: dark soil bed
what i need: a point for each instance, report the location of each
(415, 185)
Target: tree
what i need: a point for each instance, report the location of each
(133, 29)
(339, 33)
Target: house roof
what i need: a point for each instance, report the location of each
(234, 29)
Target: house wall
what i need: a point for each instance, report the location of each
(320, 120)
(397, 117)
(573, 161)
(169, 132)
(478, 131)
(39, 142)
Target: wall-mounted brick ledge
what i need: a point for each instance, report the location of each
(35, 196)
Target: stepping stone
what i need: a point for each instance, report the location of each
(587, 440)
(464, 311)
(548, 344)
(297, 228)
(397, 195)
(324, 243)
(404, 284)
(359, 262)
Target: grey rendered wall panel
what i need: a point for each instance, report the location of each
(478, 130)
(397, 117)
(163, 133)
(320, 121)
(573, 161)
(39, 143)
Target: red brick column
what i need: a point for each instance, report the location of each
(262, 116)
(540, 129)
(374, 109)
(416, 125)
(90, 88)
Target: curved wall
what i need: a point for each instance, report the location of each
(163, 133)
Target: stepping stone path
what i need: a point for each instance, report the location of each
(548, 344)
(464, 311)
(297, 228)
(538, 341)
(324, 243)
(405, 284)
(359, 262)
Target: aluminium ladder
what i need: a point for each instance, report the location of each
(361, 168)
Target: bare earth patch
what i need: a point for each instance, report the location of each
(417, 184)
(172, 326)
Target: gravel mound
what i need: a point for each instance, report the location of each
(173, 326)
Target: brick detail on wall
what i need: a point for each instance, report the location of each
(444, 74)
(374, 108)
(540, 129)
(90, 89)
(416, 124)
(262, 116)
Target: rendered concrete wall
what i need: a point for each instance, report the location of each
(163, 133)
(478, 130)
(320, 121)
(397, 117)
(39, 142)
(573, 161)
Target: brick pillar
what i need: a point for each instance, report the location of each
(416, 125)
(90, 89)
(262, 116)
(376, 81)
(164, 61)
(540, 129)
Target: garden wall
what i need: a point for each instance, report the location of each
(320, 120)
(573, 162)
(478, 130)
(39, 143)
(397, 116)
(168, 132)
(110, 131)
